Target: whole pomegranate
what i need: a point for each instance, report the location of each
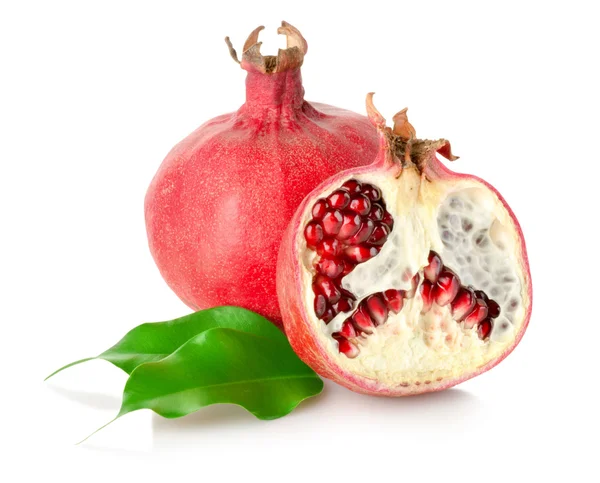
(219, 203)
(403, 277)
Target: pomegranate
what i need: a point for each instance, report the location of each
(403, 277)
(218, 206)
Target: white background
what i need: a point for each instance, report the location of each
(94, 94)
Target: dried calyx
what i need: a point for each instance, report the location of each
(286, 59)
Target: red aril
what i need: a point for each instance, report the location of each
(219, 204)
(436, 278)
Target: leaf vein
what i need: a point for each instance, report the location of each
(233, 383)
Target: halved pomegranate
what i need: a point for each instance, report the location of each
(403, 277)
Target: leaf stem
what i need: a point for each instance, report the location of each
(69, 365)
(101, 427)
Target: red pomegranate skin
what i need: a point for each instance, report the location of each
(302, 334)
(222, 198)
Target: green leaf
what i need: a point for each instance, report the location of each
(154, 341)
(257, 372)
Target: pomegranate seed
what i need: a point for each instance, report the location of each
(362, 322)
(479, 312)
(319, 209)
(371, 192)
(329, 247)
(313, 233)
(320, 305)
(484, 329)
(388, 219)
(360, 253)
(347, 348)
(332, 222)
(330, 267)
(352, 185)
(360, 204)
(432, 270)
(394, 300)
(480, 294)
(348, 331)
(348, 267)
(350, 225)
(380, 234)
(493, 309)
(414, 282)
(376, 213)
(446, 288)
(339, 199)
(426, 296)
(325, 286)
(377, 309)
(346, 293)
(463, 304)
(328, 315)
(344, 305)
(364, 233)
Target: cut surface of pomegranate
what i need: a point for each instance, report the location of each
(421, 280)
(218, 206)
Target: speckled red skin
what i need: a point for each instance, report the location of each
(222, 198)
(302, 334)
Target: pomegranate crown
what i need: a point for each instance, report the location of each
(401, 140)
(286, 59)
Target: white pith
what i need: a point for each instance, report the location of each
(414, 348)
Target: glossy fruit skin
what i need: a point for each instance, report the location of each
(222, 198)
(297, 315)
